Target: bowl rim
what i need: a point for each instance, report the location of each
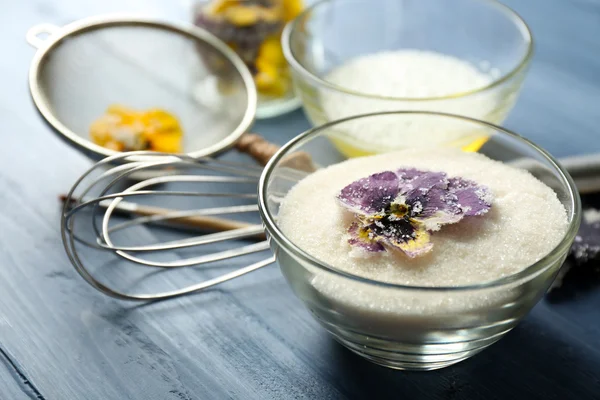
(520, 23)
(59, 34)
(527, 273)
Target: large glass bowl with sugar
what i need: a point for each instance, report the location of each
(425, 326)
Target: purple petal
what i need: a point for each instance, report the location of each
(402, 234)
(438, 207)
(439, 200)
(408, 174)
(416, 190)
(430, 201)
(361, 240)
(414, 181)
(368, 196)
(473, 199)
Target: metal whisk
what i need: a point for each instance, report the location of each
(93, 203)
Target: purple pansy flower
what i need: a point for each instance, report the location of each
(400, 209)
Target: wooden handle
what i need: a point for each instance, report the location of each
(257, 147)
(198, 221)
(262, 150)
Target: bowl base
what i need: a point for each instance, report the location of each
(276, 107)
(413, 356)
(409, 361)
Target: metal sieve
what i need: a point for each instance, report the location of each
(82, 68)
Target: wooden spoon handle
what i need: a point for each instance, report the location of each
(262, 150)
(197, 221)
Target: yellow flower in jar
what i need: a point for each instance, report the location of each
(291, 9)
(253, 28)
(271, 77)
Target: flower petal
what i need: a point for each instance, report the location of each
(360, 237)
(410, 237)
(408, 174)
(437, 200)
(415, 187)
(473, 199)
(414, 182)
(437, 207)
(368, 196)
(419, 245)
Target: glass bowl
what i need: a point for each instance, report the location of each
(410, 327)
(486, 34)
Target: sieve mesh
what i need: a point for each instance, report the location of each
(145, 65)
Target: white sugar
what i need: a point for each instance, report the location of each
(525, 223)
(409, 74)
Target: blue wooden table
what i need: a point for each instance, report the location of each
(251, 338)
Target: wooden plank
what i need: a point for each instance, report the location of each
(14, 384)
(159, 349)
(558, 106)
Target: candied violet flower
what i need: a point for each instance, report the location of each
(400, 209)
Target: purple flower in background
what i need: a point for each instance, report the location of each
(400, 209)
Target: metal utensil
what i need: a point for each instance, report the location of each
(103, 186)
(83, 67)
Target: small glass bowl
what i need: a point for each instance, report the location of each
(409, 327)
(485, 33)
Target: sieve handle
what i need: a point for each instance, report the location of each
(33, 35)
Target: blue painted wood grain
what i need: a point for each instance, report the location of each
(252, 338)
(14, 385)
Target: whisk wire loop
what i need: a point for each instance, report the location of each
(95, 198)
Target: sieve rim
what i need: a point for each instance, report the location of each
(94, 151)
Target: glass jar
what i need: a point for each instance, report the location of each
(252, 28)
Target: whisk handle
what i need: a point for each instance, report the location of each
(261, 150)
(257, 147)
(197, 221)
